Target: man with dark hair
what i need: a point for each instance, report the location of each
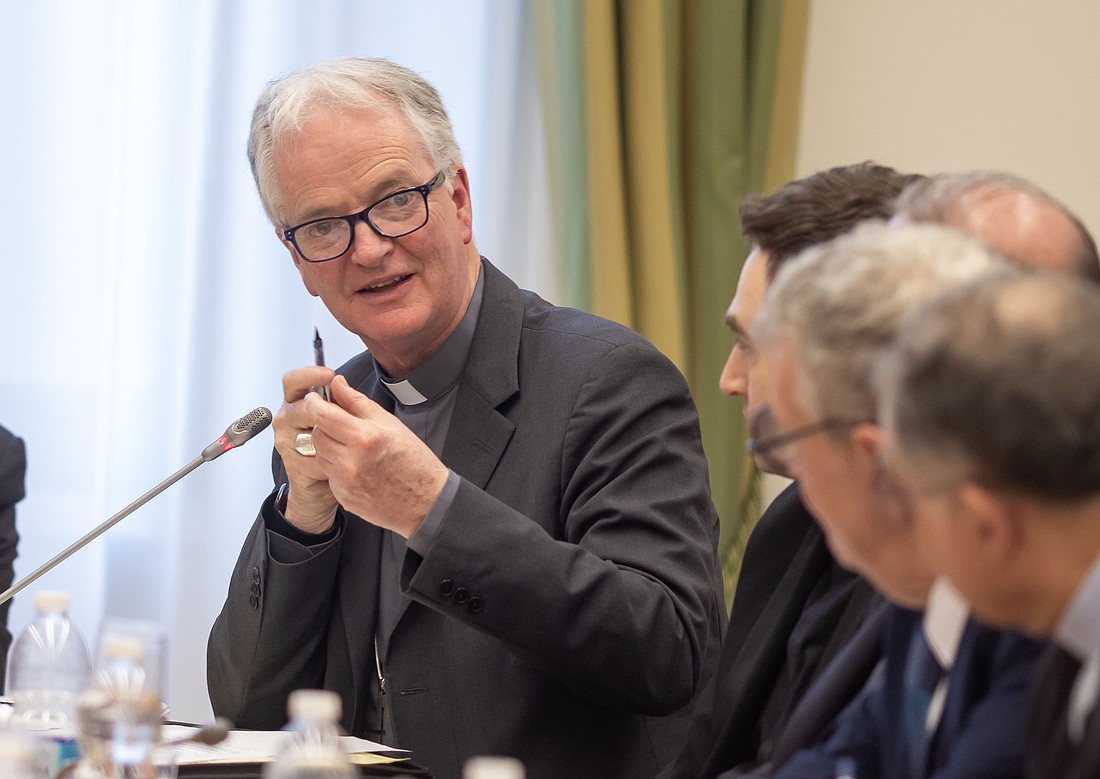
(815, 209)
(794, 607)
(992, 429)
(1015, 218)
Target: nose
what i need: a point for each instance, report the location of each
(367, 246)
(734, 380)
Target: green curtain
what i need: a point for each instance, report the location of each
(662, 115)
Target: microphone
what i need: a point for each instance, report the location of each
(237, 434)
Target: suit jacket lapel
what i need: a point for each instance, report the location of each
(836, 686)
(1051, 752)
(764, 649)
(1089, 758)
(479, 434)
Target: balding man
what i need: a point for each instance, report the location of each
(1010, 215)
(992, 430)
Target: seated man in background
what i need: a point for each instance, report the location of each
(992, 424)
(951, 696)
(1013, 217)
(498, 538)
(13, 468)
(794, 607)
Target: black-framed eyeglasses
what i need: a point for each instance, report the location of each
(397, 214)
(766, 440)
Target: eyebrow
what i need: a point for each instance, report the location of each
(382, 189)
(735, 326)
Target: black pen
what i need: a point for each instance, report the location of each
(319, 359)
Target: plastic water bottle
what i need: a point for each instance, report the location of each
(489, 767)
(47, 669)
(120, 715)
(313, 750)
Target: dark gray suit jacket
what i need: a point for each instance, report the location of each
(1053, 754)
(786, 565)
(583, 541)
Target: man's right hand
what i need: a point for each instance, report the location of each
(310, 506)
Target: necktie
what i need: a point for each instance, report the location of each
(922, 674)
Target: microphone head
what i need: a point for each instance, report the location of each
(248, 425)
(238, 433)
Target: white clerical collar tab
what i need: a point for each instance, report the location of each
(406, 393)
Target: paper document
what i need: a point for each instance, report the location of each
(258, 746)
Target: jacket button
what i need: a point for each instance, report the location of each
(461, 595)
(475, 604)
(446, 588)
(254, 601)
(256, 574)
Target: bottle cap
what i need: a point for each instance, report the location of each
(314, 704)
(485, 767)
(51, 600)
(123, 648)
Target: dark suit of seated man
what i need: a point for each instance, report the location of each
(521, 558)
(794, 608)
(973, 694)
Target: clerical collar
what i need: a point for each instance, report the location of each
(436, 375)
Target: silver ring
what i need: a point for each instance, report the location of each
(304, 445)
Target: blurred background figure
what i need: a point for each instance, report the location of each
(13, 470)
(992, 430)
(952, 694)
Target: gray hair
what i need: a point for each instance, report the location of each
(996, 382)
(841, 303)
(937, 199)
(352, 83)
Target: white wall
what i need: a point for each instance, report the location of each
(942, 85)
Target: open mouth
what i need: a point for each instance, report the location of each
(384, 286)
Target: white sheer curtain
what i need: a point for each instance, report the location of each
(147, 303)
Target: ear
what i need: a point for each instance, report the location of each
(993, 521)
(460, 196)
(298, 262)
(867, 437)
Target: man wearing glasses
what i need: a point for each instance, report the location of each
(951, 698)
(498, 537)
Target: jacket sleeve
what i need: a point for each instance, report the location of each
(861, 732)
(621, 599)
(270, 635)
